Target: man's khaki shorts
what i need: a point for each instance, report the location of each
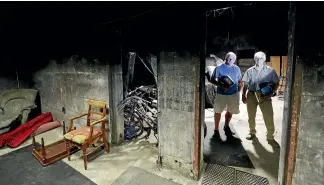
(229, 103)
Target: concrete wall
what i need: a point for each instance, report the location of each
(66, 85)
(309, 167)
(176, 87)
(8, 84)
(10, 81)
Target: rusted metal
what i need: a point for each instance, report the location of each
(286, 122)
(296, 102)
(196, 163)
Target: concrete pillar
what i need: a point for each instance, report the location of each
(177, 83)
(153, 62)
(309, 143)
(115, 97)
(286, 122)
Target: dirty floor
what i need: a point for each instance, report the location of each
(142, 154)
(265, 158)
(125, 159)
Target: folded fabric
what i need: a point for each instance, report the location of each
(16, 137)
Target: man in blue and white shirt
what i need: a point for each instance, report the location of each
(253, 77)
(227, 99)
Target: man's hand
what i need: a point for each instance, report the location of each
(269, 96)
(244, 99)
(224, 89)
(244, 93)
(240, 85)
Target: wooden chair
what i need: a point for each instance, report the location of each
(88, 135)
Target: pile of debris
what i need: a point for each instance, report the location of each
(140, 112)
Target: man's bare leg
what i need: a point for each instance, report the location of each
(227, 129)
(228, 117)
(217, 117)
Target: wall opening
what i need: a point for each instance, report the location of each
(241, 34)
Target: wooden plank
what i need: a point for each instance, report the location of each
(97, 113)
(284, 66)
(97, 103)
(275, 64)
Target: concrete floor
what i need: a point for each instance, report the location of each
(107, 167)
(264, 157)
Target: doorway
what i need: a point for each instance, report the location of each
(235, 29)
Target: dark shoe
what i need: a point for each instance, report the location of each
(250, 136)
(216, 135)
(273, 143)
(228, 131)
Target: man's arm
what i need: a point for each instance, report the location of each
(214, 81)
(275, 80)
(240, 82)
(213, 78)
(275, 88)
(245, 87)
(245, 82)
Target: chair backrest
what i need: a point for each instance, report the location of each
(97, 110)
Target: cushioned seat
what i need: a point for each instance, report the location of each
(82, 134)
(81, 137)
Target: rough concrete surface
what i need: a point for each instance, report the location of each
(69, 84)
(10, 83)
(65, 86)
(309, 167)
(117, 95)
(176, 72)
(137, 176)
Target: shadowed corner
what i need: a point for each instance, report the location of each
(227, 153)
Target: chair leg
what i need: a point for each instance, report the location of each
(104, 140)
(34, 145)
(84, 149)
(67, 145)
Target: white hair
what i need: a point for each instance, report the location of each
(230, 56)
(260, 56)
